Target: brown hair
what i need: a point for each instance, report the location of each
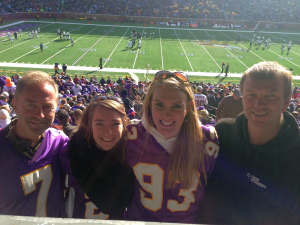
(85, 123)
(63, 101)
(266, 71)
(187, 156)
(32, 78)
(78, 114)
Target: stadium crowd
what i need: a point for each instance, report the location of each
(255, 10)
(76, 93)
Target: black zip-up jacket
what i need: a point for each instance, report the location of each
(255, 184)
(102, 175)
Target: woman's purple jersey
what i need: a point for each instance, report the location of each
(152, 201)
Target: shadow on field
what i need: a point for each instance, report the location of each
(93, 71)
(218, 75)
(221, 80)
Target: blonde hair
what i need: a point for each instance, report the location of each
(266, 71)
(187, 156)
(85, 123)
(35, 77)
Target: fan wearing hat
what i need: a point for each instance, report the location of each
(200, 99)
(4, 114)
(10, 86)
(230, 106)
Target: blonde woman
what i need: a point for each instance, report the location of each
(170, 152)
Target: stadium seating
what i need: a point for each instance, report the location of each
(254, 10)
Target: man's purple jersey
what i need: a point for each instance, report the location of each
(152, 201)
(69, 86)
(200, 100)
(33, 187)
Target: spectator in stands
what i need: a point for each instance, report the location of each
(2, 83)
(63, 119)
(64, 67)
(200, 99)
(102, 81)
(256, 173)
(120, 80)
(230, 106)
(297, 94)
(212, 102)
(4, 115)
(204, 117)
(77, 88)
(30, 150)
(126, 101)
(96, 153)
(170, 141)
(141, 90)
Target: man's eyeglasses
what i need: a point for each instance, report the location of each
(166, 74)
(102, 97)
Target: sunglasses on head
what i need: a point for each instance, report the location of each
(102, 97)
(167, 74)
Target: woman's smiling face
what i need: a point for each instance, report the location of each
(169, 107)
(107, 128)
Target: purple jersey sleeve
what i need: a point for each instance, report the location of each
(32, 187)
(152, 201)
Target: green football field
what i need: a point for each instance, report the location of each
(181, 49)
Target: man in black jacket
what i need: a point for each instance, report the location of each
(256, 177)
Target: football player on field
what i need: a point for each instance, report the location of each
(289, 47)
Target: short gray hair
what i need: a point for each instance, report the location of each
(32, 78)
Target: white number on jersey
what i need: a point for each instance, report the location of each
(155, 188)
(89, 211)
(29, 181)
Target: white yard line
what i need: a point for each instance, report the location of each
(93, 44)
(184, 51)
(283, 58)
(11, 24)
(35, 48)
(229, 51)
(162, 57)
(67, 45)
(243, 46)
(29, 40)
(137, 52)
(116, 46)
(294, 52)
(207, 51)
